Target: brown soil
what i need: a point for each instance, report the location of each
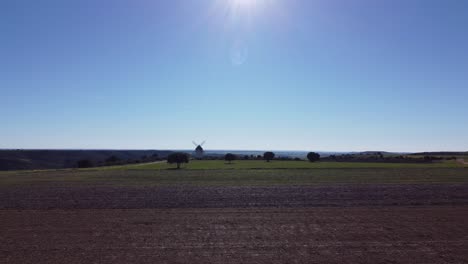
(256, 235)
(283, 224)
(232, 197)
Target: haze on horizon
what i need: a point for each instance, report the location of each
(243, 74)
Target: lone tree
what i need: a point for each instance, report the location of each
(178, 158)
(268, 156)
(230, 157)
(312, 156)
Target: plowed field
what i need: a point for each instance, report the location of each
(256, 235)
(55, 219)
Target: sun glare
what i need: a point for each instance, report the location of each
(239, 20)
(243, 3)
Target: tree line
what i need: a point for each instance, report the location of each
(179, 158)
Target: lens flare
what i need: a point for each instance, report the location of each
(239, 53)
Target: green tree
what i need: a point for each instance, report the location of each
(230, 157)
(178, 158)
(312, 156)
(268, 156)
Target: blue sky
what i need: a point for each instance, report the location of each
(242, 74)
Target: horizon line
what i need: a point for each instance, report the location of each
(239, 150)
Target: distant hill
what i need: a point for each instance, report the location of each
(442, 153)
(58, 159)
(384, 153)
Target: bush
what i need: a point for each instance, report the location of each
(178, 158)
(312, 156)
(230, 157)
(268, 156)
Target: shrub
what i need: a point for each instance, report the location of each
(230, 157)
(268, 156)
(312, 156)
(178, 158)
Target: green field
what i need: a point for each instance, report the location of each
(242, 173)
(277, 164)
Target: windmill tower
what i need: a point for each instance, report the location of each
(199, 149)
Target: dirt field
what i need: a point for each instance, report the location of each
(232, 197)
(370, 223)
(255, 235)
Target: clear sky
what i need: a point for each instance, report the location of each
(243, 74)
